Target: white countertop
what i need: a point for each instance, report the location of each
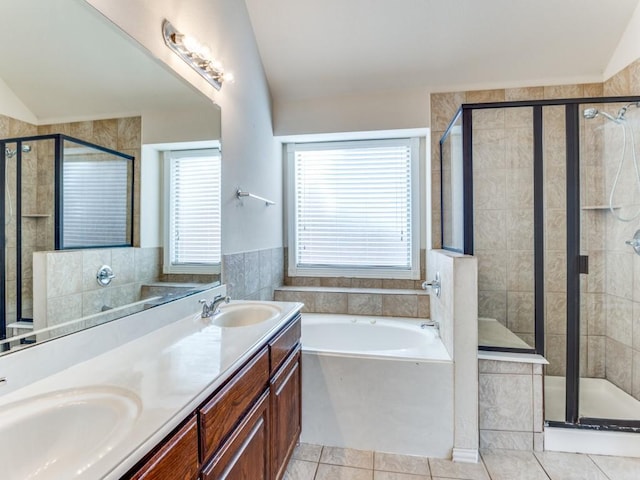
(171, 370)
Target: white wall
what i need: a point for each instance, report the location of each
(373, 111)
(12, 106)
(249, 153)
(628, 49)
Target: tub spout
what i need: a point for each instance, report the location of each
(431, 323)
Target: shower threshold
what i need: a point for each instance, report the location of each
(599, 398)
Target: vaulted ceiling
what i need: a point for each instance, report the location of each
(322, 48)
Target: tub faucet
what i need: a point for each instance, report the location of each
(213, 308)
(431, 323)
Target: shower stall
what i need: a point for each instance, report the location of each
(546, 195)
(60, 193)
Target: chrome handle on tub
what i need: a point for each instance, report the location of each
(434, 285)
(105, 275)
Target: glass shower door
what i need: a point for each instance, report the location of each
(610, 292)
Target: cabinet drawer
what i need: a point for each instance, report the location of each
(245, 456)
(226, 408)
(284, 343)
(176, 459)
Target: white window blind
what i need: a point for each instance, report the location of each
(194, 211)
(353, 205)
(95, 201)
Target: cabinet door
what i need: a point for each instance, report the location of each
(245, 455)
(285, 413)
(177, 459)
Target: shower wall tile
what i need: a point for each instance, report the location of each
(443, 108)
(492, 269)
(484, 96)
(499, 408)
(64, 273)
(489, 189)
(555, 313)
(619, 358)
(520, 229)
(520, 312)
(519, 121)
(593, 89)
(556, 354)
(596, 356)
(489, 149)
(524, 93)
(635, 377)
(619, 268)
(555, 271)
(596, 279)
(519, 193)
(490, 229)
(492, 304)
(563, 91)
(520, 276)
(123, 265)
(636, 326)
(489, 119)
(619, 320)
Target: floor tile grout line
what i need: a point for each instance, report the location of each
(541, 466)
(598, 467)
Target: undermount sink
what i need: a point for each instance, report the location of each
(63, 433)
(245, 314)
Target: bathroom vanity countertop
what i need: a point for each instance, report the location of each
(171, 370)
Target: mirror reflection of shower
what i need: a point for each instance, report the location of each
(10, 154)
(627, 133)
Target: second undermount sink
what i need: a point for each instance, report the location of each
(245, 314)
(63, 433)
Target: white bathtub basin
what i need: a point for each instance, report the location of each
(245, 314)
(70, 430)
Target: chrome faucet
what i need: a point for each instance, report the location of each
(213, 308)
(431, 323)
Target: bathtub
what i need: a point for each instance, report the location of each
(376, 383)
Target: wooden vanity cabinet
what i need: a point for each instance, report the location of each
(177, 459)
(286, 413)
(247, 429)
(245, 455)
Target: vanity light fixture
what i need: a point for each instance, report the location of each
(196, 55)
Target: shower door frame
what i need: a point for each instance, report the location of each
(576, 264)
(58, 139)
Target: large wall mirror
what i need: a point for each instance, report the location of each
(66, 70)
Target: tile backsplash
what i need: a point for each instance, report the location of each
(253, 275)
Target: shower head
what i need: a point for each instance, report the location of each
(590, 113)
(12, 153)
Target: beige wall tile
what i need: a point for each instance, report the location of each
(328, 302)
(524, 93)
(486, 96)
(563, 91)
(619, 359)
(400, 305)
(500, 408)
(364, 304)
(443, 108)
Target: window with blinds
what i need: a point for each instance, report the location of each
(193, 234)
(353, 205)
(96, 199)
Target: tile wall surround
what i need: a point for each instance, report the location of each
(358, 296)
(67, 287)
(122, 134)
(510, 405)
(253, 275)
(618, 306)
(610, 326)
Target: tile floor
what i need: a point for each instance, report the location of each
(315, 462)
